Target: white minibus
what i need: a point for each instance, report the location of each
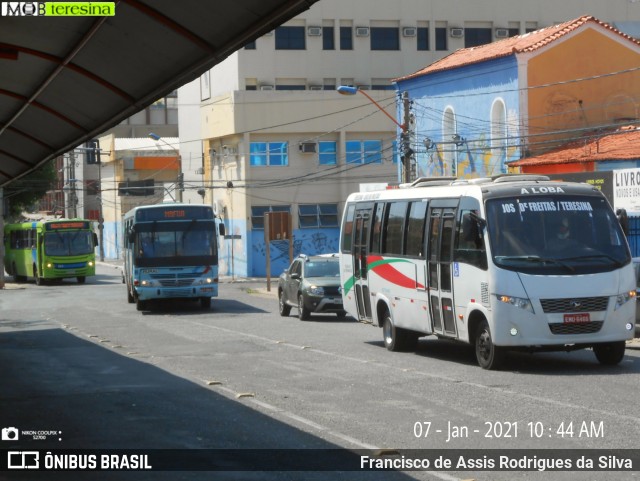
(513, 262)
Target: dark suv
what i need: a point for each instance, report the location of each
(312, 284)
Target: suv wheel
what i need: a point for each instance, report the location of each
(283, 307)
(303, 312)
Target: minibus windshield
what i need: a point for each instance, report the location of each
(555, 234)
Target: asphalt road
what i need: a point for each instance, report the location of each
(82, 367)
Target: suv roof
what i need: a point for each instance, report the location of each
(320, 257)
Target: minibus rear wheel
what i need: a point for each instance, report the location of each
(396, 338)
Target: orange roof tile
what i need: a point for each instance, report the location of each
(623, 144)
(528, 42)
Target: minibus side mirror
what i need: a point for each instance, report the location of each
(482, 223)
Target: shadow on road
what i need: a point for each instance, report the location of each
(98, 399)
(557, 363)
(332, 318)
(98, 279)
(192, 306)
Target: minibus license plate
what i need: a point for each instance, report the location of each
(576, 318)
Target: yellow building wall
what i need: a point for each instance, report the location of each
(605, 99)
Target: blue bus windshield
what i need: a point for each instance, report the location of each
(173, 241)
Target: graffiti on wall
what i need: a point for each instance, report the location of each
(232, 257)
(472, 159)
(469, 155)
(112, 240)
(307, 241)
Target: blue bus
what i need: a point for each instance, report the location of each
(171, 251)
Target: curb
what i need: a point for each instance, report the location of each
(223, 279)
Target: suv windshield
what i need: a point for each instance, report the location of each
(322, 269)
(554, 234)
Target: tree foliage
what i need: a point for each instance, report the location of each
(24, 193)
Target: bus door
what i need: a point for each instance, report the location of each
(440, 267)
(38, 250)
(359, 251)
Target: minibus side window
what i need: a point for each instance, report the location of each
(469, 245)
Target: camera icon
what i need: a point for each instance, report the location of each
(9, 434)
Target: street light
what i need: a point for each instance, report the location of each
(406, 149)
(180, 179)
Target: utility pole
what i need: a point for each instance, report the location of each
(98, 153)
(405, 136)
(73, 200)
(407, 152)
(179, 189)
(179, 183)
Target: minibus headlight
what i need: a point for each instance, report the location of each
(520, 302)
(90, 263)
(149, 283)
(206, 280)
(623, 298)
(49, 265)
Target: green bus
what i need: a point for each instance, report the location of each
(50, 250)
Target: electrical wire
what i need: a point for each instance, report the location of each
(473, 125)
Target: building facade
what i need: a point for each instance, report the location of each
(274, 135)
(480, 108)
(90, 168)
(136, 171)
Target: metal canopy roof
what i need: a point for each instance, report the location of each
(65, 80)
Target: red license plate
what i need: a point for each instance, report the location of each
(576, 318)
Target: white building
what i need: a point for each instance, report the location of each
(160, 118)
(265, 130)
(136, 171)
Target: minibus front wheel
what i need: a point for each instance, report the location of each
(610, 353)
(489, 355)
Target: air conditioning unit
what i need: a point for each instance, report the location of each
(266, 87)
(364, 87)
(308, 147)
(315, 87)
(314, 31)
(502, 32)
(199, 171)
(456, 32)
(409, 31)
(362, 31)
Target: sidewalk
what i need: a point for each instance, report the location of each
(118, 264)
